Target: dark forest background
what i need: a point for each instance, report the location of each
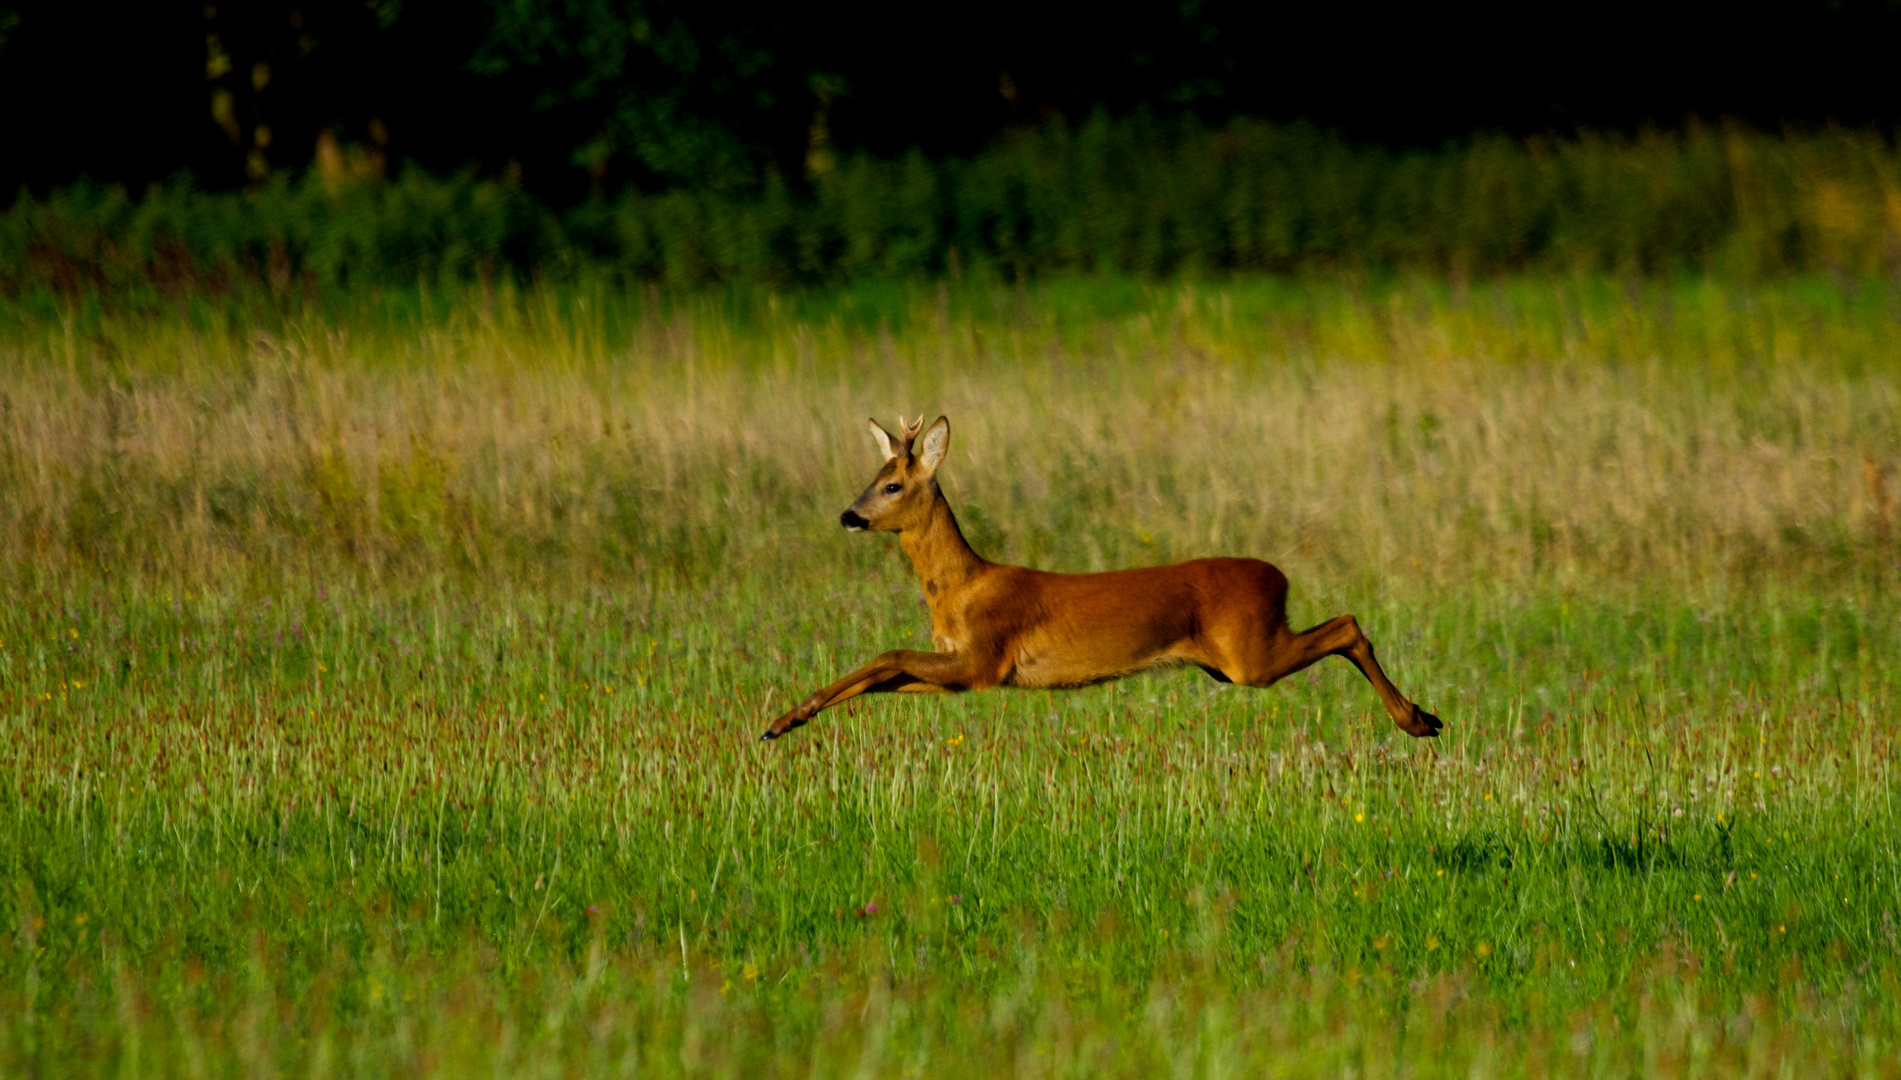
(302, 144)
(575, 95)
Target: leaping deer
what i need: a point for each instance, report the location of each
(998, 625)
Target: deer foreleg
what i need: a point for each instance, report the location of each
(898, 670)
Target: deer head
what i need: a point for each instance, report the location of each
(902, 493)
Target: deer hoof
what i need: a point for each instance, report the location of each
(1423, 725)
(782, 725)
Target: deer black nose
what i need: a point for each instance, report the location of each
(852, 521)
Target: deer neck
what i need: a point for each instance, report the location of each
(939, 554)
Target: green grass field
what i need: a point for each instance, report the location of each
(380, 685)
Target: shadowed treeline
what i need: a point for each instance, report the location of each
(583, 96)
(1140, 196)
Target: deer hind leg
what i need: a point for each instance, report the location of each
(1283, 652)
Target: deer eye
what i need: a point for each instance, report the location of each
(893, 489)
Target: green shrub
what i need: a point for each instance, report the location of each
(1131, 196)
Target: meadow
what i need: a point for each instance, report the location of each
(381, 675)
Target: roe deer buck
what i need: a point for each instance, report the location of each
(1012, 626)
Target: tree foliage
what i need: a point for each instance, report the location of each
(588, 98)
(703, 93)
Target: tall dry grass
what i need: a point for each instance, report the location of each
(1550, 433)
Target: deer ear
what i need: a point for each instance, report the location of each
(887, 445)
(936, 442)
